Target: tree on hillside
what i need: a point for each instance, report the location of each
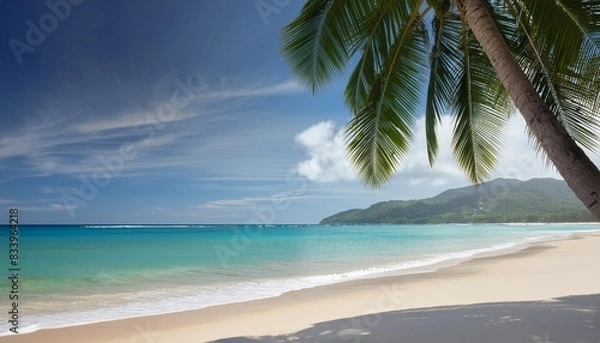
(477, 60)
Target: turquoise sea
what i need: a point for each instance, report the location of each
(88, 273)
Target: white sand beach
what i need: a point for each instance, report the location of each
(549, 292)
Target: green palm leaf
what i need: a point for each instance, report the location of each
(444, 63)
(561, 61)
(377, 35)
(379, 135)
(319, 42)
(480, 116)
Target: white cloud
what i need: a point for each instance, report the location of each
(59, 190)
(62, 207)
(226, 93)
(198, 105)
(229, 203)
(248, 202)
(327, 161)
(131, 120)
(180, 140)
(48, 208)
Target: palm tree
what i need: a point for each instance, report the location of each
(476, 60)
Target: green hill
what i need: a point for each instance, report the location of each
(497, 201)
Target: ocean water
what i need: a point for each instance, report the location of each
(81, 274)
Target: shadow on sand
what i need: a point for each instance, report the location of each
(573, 319)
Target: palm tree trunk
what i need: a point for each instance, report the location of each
(580, 173)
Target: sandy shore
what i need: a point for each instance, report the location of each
(492, 299)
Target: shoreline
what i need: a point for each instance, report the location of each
(298, 310)
(418, 266)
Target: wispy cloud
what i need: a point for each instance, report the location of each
(193, 96)
(54, 207)
(132, 120)
(43, 203)
(59, 190)
(227, 93)
(247, 202)
(74, 147)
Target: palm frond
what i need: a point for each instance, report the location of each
(444, 63)
(480, 117)
(568, 39)
(380, 133)
(376, 36)
(319, 42)
(562, 61)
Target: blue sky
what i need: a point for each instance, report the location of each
(183, 112)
